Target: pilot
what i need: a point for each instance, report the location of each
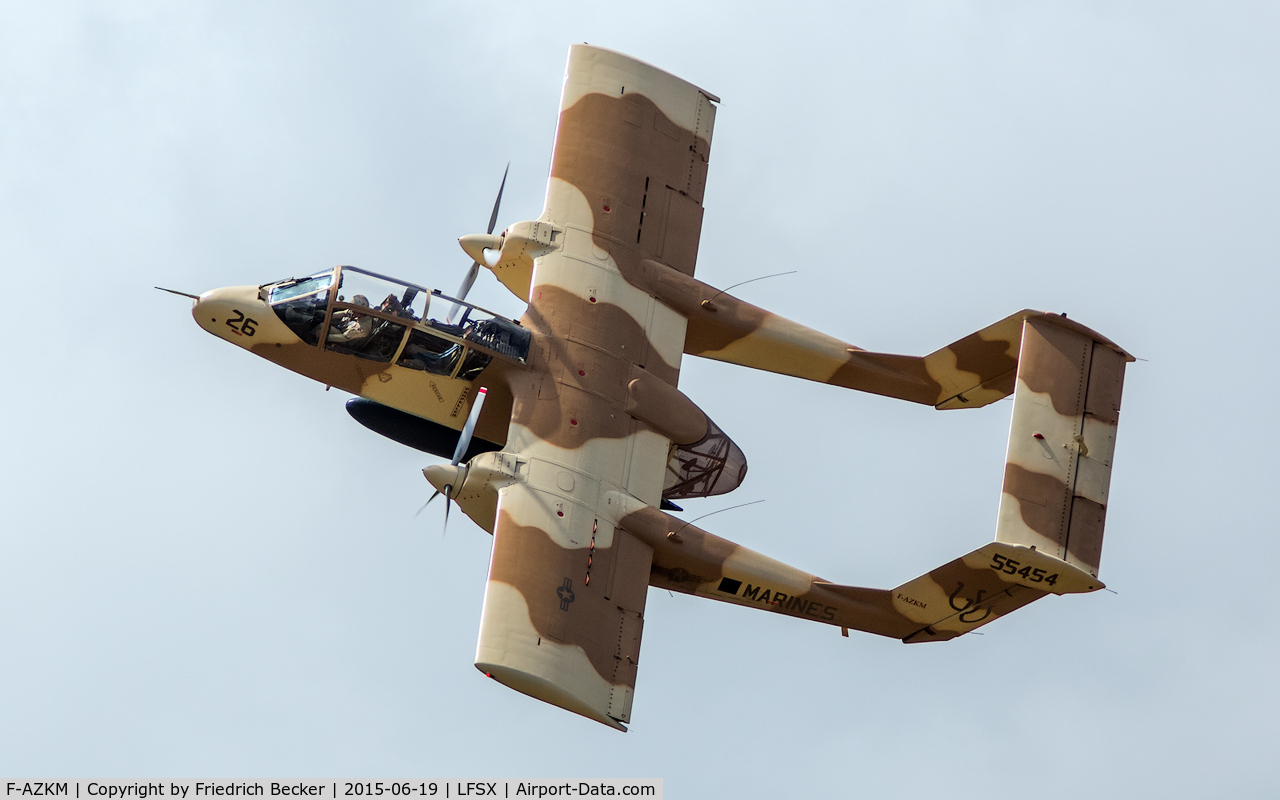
(349, 327)
(392, 306)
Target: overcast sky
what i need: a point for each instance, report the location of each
(208, 570)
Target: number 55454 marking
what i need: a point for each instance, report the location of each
(1010, 567)
(242, 325)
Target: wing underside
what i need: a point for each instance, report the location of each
(596, 415)
(630, 161)
(564, 606)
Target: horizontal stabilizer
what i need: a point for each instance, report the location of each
(1061, 442)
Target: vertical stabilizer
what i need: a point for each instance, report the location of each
(1061, 442)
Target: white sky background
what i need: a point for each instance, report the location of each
(207, 569)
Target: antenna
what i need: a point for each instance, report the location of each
(175, 291)
(675, 535)
(707, 303)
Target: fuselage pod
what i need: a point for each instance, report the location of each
(397, 344)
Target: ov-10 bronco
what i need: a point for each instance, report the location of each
(569, 440)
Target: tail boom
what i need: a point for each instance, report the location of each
(971, 372)
(947, 602)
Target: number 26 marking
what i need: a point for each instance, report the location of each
(245, 326)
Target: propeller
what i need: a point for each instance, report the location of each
(472, 273)
(448, 480)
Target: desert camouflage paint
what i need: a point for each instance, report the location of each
(595, 433)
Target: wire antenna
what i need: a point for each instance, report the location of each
(707, 303)
(676, 532)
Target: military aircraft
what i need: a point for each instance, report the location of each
(569, 440)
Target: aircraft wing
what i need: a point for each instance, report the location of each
(595, 416)
(627, 173)
(630, 160)
(563, 609)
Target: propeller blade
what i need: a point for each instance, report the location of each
(493, 218)
(464, 441)
(445, 528)
(472, 273)
(453, 472)
(467, 282)
(424, 505)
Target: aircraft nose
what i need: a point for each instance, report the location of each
(230, 313)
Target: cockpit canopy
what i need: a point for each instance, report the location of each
(356, 312)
